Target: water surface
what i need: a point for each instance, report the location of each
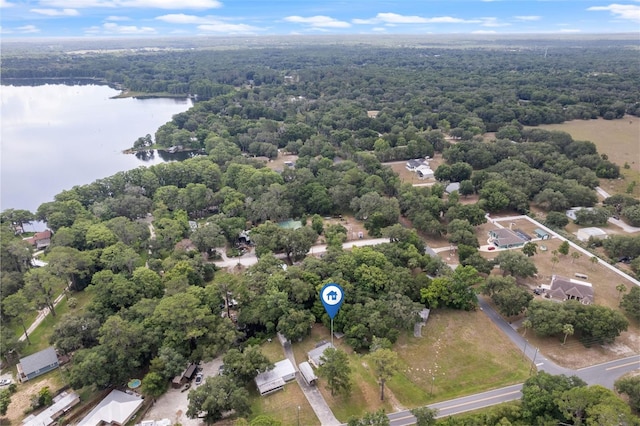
(53, 137)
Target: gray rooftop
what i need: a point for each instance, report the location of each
(35, 362)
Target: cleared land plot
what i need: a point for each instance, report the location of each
(282, 405)
(407, 176)
(619, 139)
(470, 352)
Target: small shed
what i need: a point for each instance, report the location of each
(541, 233)
(37, 364)
(307, 373)
(453, 186)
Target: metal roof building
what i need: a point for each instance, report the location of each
(275, 379)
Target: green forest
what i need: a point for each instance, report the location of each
(153, 304)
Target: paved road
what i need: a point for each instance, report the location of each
(531, 352)
(251, 259)
(602, 374)
(41, 316)
(463, 404)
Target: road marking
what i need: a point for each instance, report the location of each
(539, 364)
(623, 365)
(475, 401)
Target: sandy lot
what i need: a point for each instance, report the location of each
(173, 404)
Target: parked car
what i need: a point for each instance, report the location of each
(199, 378)
(5, 382)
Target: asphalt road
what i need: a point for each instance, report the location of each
(602, 374)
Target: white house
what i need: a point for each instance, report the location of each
(61, 404)
(275, 379)
(116, 409)
(315, 354)
(412, 165)
(424, 172)
(585, 233)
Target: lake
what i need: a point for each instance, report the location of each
(54, 137)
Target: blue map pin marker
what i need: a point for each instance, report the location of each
(332, 296)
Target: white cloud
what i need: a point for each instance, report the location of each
(493, 22)
(623, 11)
(152, 4)
(56, 12)
(28, 29)
(569, 30)
(209, 23)
(394, 18)
(225, 27)
(117, 18)
(5, 3)
(527, 18)
(113, 28)
(318, 21)
(483, 32)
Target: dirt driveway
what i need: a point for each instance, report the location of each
(173, 404)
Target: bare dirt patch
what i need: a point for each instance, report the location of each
(21, 400)
(279, 163)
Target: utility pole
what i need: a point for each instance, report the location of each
(534, 361)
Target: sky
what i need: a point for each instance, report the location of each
(135, 18)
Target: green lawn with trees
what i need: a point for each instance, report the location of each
(150, 305)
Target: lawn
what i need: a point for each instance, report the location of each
(285, 406)
(460, 353)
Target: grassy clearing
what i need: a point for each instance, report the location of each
(21, 400)
(618, 139)
(284, 406)
(460, 353)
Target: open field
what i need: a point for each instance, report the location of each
(619, 139)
